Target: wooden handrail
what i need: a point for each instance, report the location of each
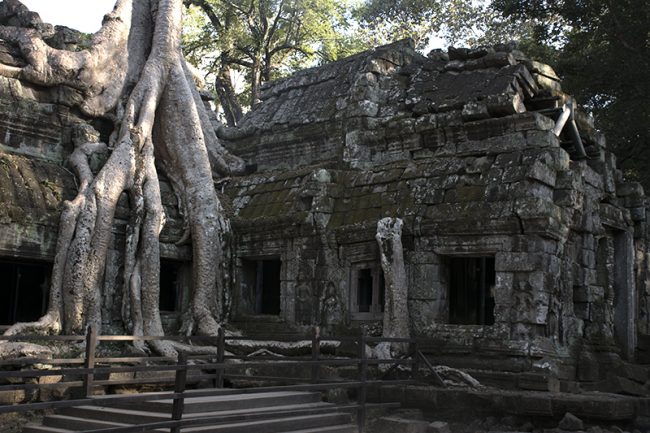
(217, 371)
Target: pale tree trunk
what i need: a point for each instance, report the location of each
(256, 80)
(396, 313)
(135, 74)
(227, 97)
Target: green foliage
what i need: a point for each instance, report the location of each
(260, 40)
(384, 21)
(601, 49)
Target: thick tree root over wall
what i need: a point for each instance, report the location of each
(133, 74)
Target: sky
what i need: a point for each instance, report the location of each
(86, 15)
(83, 15)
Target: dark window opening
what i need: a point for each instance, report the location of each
(364, 290)
(471, 290)
(170, 287)
(368, 292)
(262, 279)
(24, 291)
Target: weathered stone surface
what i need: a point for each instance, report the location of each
(438, 427)
(452, 146)
(390, 424)
(571, 422)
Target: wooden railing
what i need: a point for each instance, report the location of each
(213, 367)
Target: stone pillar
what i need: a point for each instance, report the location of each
(396, 314)
(624, 294)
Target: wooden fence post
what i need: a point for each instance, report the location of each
(415, 366)
(315, 354)
(363, 378)
(91, 342)
(179, 388)
(221, 351)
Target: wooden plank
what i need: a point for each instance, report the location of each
(222, 419)
(221, 357)
(32, 361)
(179, 389)
(363, 379)
(315, 354)
(91, 343)
(436, 376)
(36, 386)
(42, 337)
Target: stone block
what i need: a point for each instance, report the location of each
(588, 293)
(438, 427)
(568, 179)
(624, 189)
(538, 382)
(638, 214)
(422, 277)
(479, 164)
(593, 178)
(571, 422)
(497, 192)
(514, 173)
(533, 121)
(424, 312)
(515, 262)
(432, 139)
(11, 397)
(474, 111)
(433, 196)
(532, 207)
(538, 405)
(556, 158)
(542, 139)
(542, 173)
(582, 310)
(492, 145)
(570, 387)
(588, 368)
(567, 197)
(621, 385)
(509, 159)
(635, 372)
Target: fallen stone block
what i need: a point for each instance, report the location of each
(438, 427)
(391, 424)
(571, 422)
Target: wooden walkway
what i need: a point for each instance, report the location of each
(277, 403)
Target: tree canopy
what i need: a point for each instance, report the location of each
(601, 49)
(259, 40)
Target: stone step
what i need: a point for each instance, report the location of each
(343, 428)
(227, 402)
(39, 428)
(278, 425)
(71, 423)
(321, 423)
(102, 413)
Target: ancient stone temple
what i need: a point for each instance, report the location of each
(518, 247)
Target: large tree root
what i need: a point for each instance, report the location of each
(135, 74)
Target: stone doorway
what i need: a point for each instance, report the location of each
(261, 279)
(624, 294)
(471, 284)
(24, 289)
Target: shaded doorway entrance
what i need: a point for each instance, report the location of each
(24, 288)
(471, 282)
(261, 279)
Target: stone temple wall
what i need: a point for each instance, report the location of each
(467, 147)
(461, 146)
(36, 128)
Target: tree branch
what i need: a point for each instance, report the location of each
(208, 10)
